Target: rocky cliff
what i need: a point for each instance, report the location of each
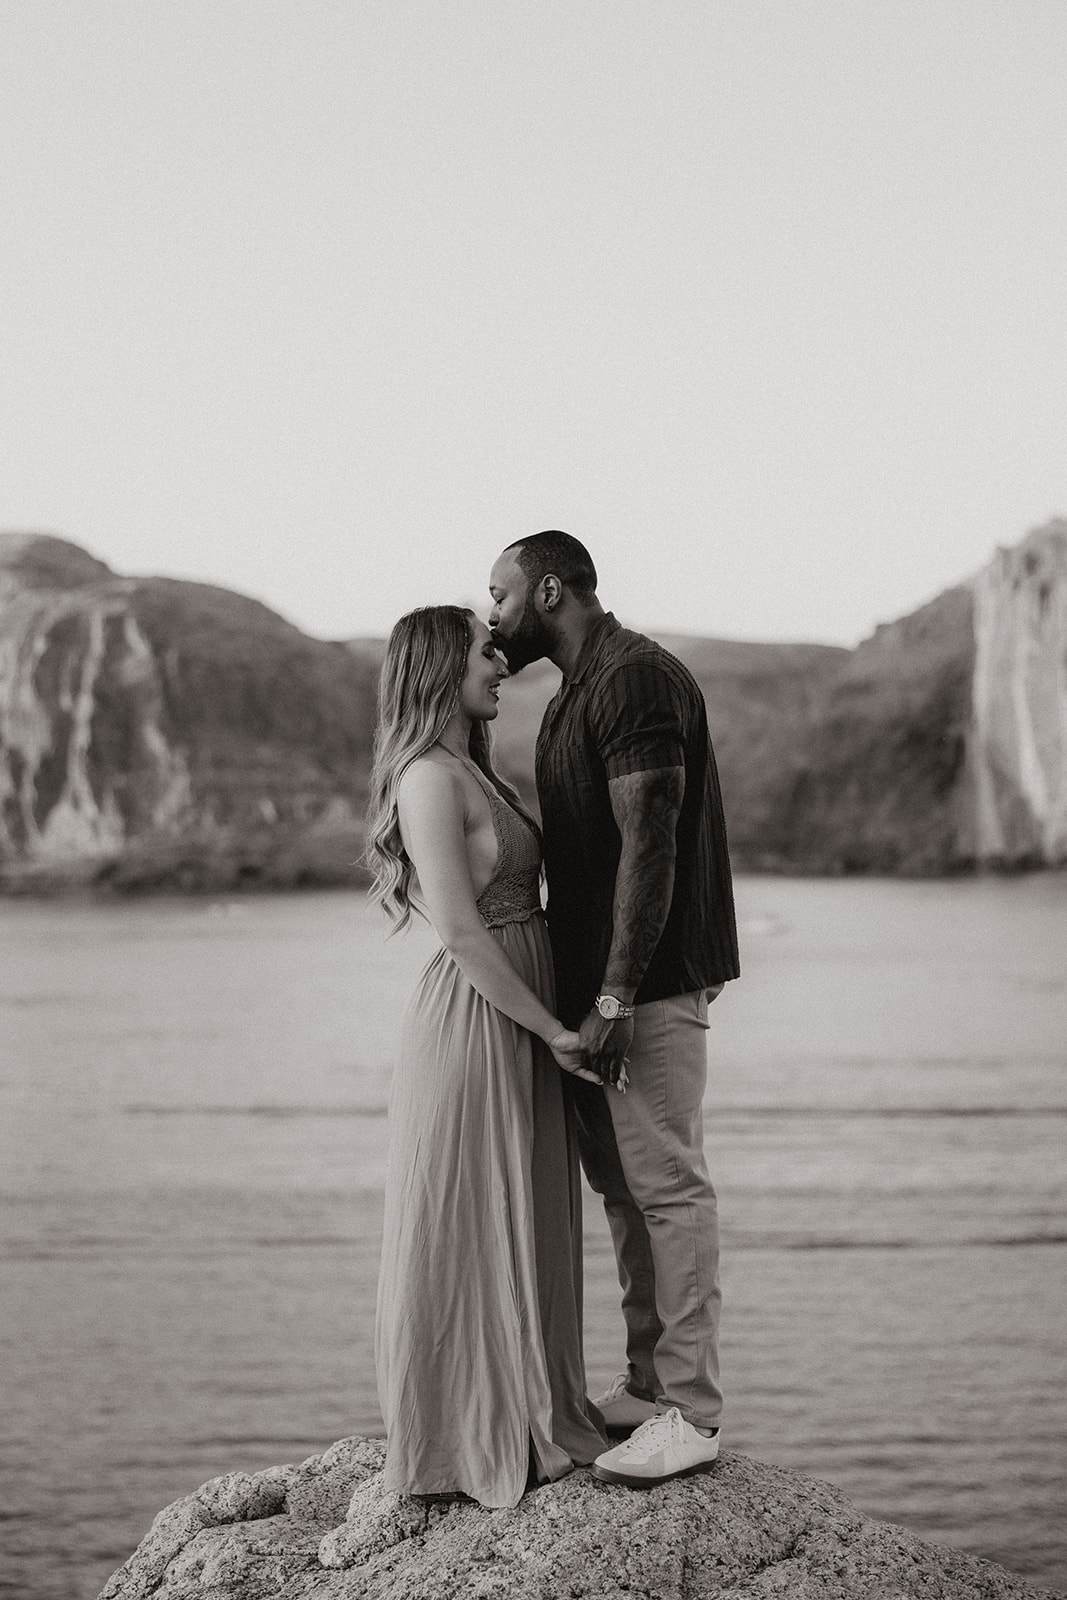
(163, 734)
(940, 744)
(1018, 746)
(327, 1529)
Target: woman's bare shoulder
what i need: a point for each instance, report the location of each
(434, 777)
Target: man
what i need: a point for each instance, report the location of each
(640, 912)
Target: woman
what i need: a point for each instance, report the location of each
(480, 1370)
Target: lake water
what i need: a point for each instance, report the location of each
(192, 1144)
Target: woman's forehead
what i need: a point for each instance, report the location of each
(479, 632)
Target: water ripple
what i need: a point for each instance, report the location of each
(146, 1109)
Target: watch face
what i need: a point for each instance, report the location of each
(608, 1006)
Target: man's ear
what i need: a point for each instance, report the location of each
(550, 591)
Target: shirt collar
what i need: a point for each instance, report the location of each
(594, 642)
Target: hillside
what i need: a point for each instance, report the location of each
(762, 702)
(159, 734)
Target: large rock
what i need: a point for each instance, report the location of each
(327, 1529)
(159, 734)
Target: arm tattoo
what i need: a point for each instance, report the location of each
(646, 806)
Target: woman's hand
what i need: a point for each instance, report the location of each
(568, 1053)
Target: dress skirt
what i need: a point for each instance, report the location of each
(479, 1352)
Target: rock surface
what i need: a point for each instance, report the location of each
(1018, 749)
(326, 1529)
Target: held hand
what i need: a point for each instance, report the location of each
(607, 1045)
(567, 1050)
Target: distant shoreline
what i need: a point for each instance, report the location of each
(145, 876)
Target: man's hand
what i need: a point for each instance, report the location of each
(568, 1053)
(607, 1045)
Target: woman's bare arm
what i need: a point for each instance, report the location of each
(431, 805)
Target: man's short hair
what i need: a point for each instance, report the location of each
(557, 553)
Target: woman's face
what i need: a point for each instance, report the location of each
(485, 672)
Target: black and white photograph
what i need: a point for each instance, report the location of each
(533, 800)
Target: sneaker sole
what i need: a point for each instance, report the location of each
(630, 1481)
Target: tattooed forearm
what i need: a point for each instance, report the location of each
(646, 806)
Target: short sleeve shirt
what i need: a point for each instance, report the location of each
(630, 706)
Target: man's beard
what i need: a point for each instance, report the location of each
(530, 642)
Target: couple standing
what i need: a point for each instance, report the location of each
(526, 1043)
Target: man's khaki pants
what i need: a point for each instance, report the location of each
(643, 1151)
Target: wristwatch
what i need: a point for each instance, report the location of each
(610, 1007)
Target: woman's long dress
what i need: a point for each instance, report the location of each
(479, 1354)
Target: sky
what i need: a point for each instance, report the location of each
(329, 301)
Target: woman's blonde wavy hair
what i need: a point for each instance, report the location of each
(418, 692)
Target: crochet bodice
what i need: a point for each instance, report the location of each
(513, 893)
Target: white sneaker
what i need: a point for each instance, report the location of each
(623, 1411)
(664, 1447)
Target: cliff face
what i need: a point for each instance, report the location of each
(1018, 750)
(164, 734)
(327, 1528)
(937, 745)
(941, 743)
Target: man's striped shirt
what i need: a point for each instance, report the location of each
(630, 706)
